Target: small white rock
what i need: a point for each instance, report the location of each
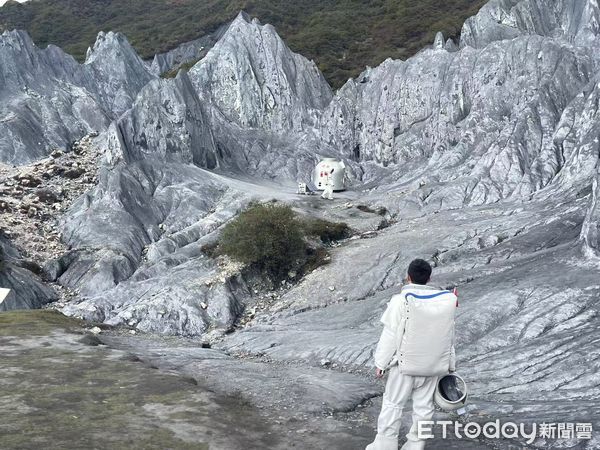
(96, 330)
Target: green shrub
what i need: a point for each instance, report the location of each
(381, 211)
(268, 237)
(185, 66)
(326, 231)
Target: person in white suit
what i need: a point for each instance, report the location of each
(416, 348)
(329, 185)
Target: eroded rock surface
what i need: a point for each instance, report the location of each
(48, 100)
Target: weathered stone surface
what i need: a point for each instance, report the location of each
(577, 21)
(166, 122)
(255, 80)
(114, 73)
(27, 289)
(186, 53)
(470, 127)
(590, 231)
(48, 100)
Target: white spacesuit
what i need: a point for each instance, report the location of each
(417, 347)
(329, 184)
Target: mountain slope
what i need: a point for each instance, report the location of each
(342, 37)
(48, 100)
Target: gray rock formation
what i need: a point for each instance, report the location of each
(158, 204)
(470, 127)
(577, 21)
(255, 80)
(485, 156)
(114, 73)
(27, 289)
(590, 231)
(186, 53)
(48, 100)
(167, 122)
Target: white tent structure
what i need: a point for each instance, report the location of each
(325, 168)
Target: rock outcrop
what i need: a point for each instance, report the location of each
(48, 100)
(576, 21)
(114, 73)
(590, 231)
(256, 81)
(28, 291)
(470, 127)
(167, 122)
(186, 53)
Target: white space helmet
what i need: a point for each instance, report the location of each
(451, 392)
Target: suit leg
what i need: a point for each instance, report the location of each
(423, 409)
(397, 392)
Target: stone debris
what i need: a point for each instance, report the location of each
(34, 197)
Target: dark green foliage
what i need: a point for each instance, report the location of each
(326, 231)
(342, 36)
(185, 66)
(316, 258)
(267, 237)
(382, 211)
(272, 239)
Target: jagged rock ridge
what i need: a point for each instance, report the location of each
(253, 78)
(48, 100)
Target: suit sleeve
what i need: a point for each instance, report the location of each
(391, 336)
(386, 348)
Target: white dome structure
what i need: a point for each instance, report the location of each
(330, 167)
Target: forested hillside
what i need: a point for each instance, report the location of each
(342, 36)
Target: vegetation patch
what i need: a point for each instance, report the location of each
(342, 37)
(272, 239)
(185, 67)
(327, 232)
(37, 322)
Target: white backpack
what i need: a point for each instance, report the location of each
(426, 343)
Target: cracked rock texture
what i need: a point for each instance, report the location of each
(186, 53)
(48, 100)
(254, 79)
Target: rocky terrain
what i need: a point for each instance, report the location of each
(479, 155)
